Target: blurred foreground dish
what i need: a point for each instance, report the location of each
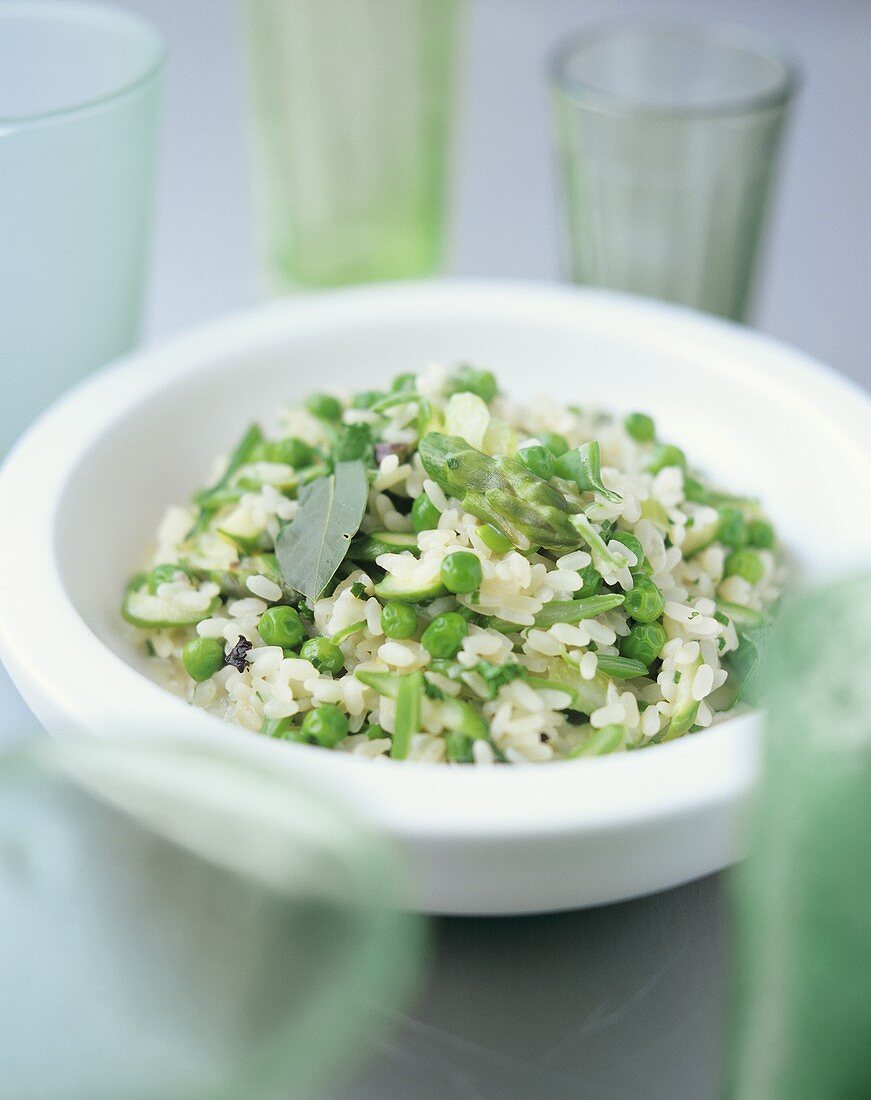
(180, 923)
(803, 1014)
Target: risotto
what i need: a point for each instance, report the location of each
(438, 573)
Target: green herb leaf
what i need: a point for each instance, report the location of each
(312, 547)
(582, 466)
(747, 664)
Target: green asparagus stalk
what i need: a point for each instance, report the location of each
(408, 699)
(499, 491)
(574, 611)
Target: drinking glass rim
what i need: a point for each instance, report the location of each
(609, 102)
(83, 11)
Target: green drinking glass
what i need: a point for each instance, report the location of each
(352, 111)
(668, 137)
(183, 923)
(802, 1011)
(79, 95)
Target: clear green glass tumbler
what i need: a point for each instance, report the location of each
(667, 137)
(352, 108)
(802, 1011)
(79, 91)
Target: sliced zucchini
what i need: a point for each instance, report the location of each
(587, 695)
(169, 571)
(391, 588)
(369, 547)
(153, 612)
(233, 580)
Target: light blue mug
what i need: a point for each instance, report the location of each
(79, 95)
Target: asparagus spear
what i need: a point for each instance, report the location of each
(499, 491)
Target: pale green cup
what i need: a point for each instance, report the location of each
(668, 137)
(352, 106)
(79, 92)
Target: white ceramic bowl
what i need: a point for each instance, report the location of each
(82, 493)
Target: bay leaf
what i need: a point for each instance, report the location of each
(313, 545)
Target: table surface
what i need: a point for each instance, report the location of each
(624, 1001)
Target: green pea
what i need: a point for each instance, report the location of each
(732, 529)
(374, 732)
(325, 656)
(398, 620)
(495, 540)
(295, 452)
(326, 725)
(461, 572)
(444, 636)
(324, 406)
(538, 460)
(631, 542)
(643, 602)
(366, 399)
(760, 534)
(281, 626)
(557, 444)
(592, 583)
(165, 574)
(640, 427)
(202, 658)
(424, 514)
(666, 454)
(644, 642)
(746, 564)
(470, 380)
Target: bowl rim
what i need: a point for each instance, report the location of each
(711, 768)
